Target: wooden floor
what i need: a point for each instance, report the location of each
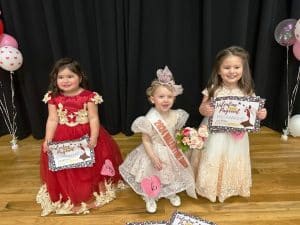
(275, 195)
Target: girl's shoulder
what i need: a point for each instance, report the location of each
(92, 96)
(48, 97)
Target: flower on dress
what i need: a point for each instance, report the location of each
(47, 97)
(189, 138)
(97, 99)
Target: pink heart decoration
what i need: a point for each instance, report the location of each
(108, 169)
(237, 135)
(151, 186)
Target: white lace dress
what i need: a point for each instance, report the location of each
(174, 177)
(223, 168)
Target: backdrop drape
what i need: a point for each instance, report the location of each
(121, 44)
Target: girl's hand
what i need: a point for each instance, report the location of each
(157, 163)
(206, 109)
(45, 146)
(261, 114)
(92, 143)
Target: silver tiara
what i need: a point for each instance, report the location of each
(165, 77)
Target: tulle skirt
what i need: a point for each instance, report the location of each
(223, 168)
(70, 188)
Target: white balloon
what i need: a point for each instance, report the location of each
(11, 58)
(297, 30)
(294, 125)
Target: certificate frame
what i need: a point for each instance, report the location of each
(70, 154)
(235, 114)
(179, 218)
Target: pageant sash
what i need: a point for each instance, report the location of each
(161, 128)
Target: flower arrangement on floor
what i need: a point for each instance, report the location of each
(189, 138)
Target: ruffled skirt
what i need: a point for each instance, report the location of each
(223, 168)
(74, 190)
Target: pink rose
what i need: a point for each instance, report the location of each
(186, 131)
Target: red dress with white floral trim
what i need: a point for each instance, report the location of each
(68, 188)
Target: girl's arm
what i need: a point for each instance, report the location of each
(205, 107)
(51, 125)
(157, 163)
(94, 123)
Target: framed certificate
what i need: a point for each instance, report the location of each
(70, 154)
(180, 218)
(233, 113)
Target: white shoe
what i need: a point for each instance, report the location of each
(151, 206)
(175, 200)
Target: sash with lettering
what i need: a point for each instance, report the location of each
(161, 128)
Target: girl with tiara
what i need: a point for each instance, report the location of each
(156, 168)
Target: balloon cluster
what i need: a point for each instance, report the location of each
(11, 59)
(287, 33)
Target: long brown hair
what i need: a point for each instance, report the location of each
(61, 64)
(245, 83)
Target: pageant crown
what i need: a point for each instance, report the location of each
(165, 77)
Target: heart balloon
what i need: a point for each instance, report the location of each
(151, 186)
(11, 58)
(108, 169)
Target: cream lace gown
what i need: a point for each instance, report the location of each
(223, 168)
(174, 177)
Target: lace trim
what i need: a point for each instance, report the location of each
(47, 97)
(97, 99)
(81, 116)
(63, 208)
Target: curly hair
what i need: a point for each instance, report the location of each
(61, 64)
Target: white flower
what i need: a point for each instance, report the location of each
(47, 97)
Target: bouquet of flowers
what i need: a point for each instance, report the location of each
(189, 138)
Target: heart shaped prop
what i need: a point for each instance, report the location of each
(237, 135)
(151, 186)
(108, 169)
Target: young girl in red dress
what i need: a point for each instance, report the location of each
(73, 113)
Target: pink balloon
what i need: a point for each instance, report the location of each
(296, 50)
(8, 40)
(284, 32)
(11, 58)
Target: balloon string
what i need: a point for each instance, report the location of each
(294, 93)
(14, 111)
(287, 88)
(4, 111)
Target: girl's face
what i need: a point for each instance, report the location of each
(163, 99)
(68, 82)
(231, 70)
